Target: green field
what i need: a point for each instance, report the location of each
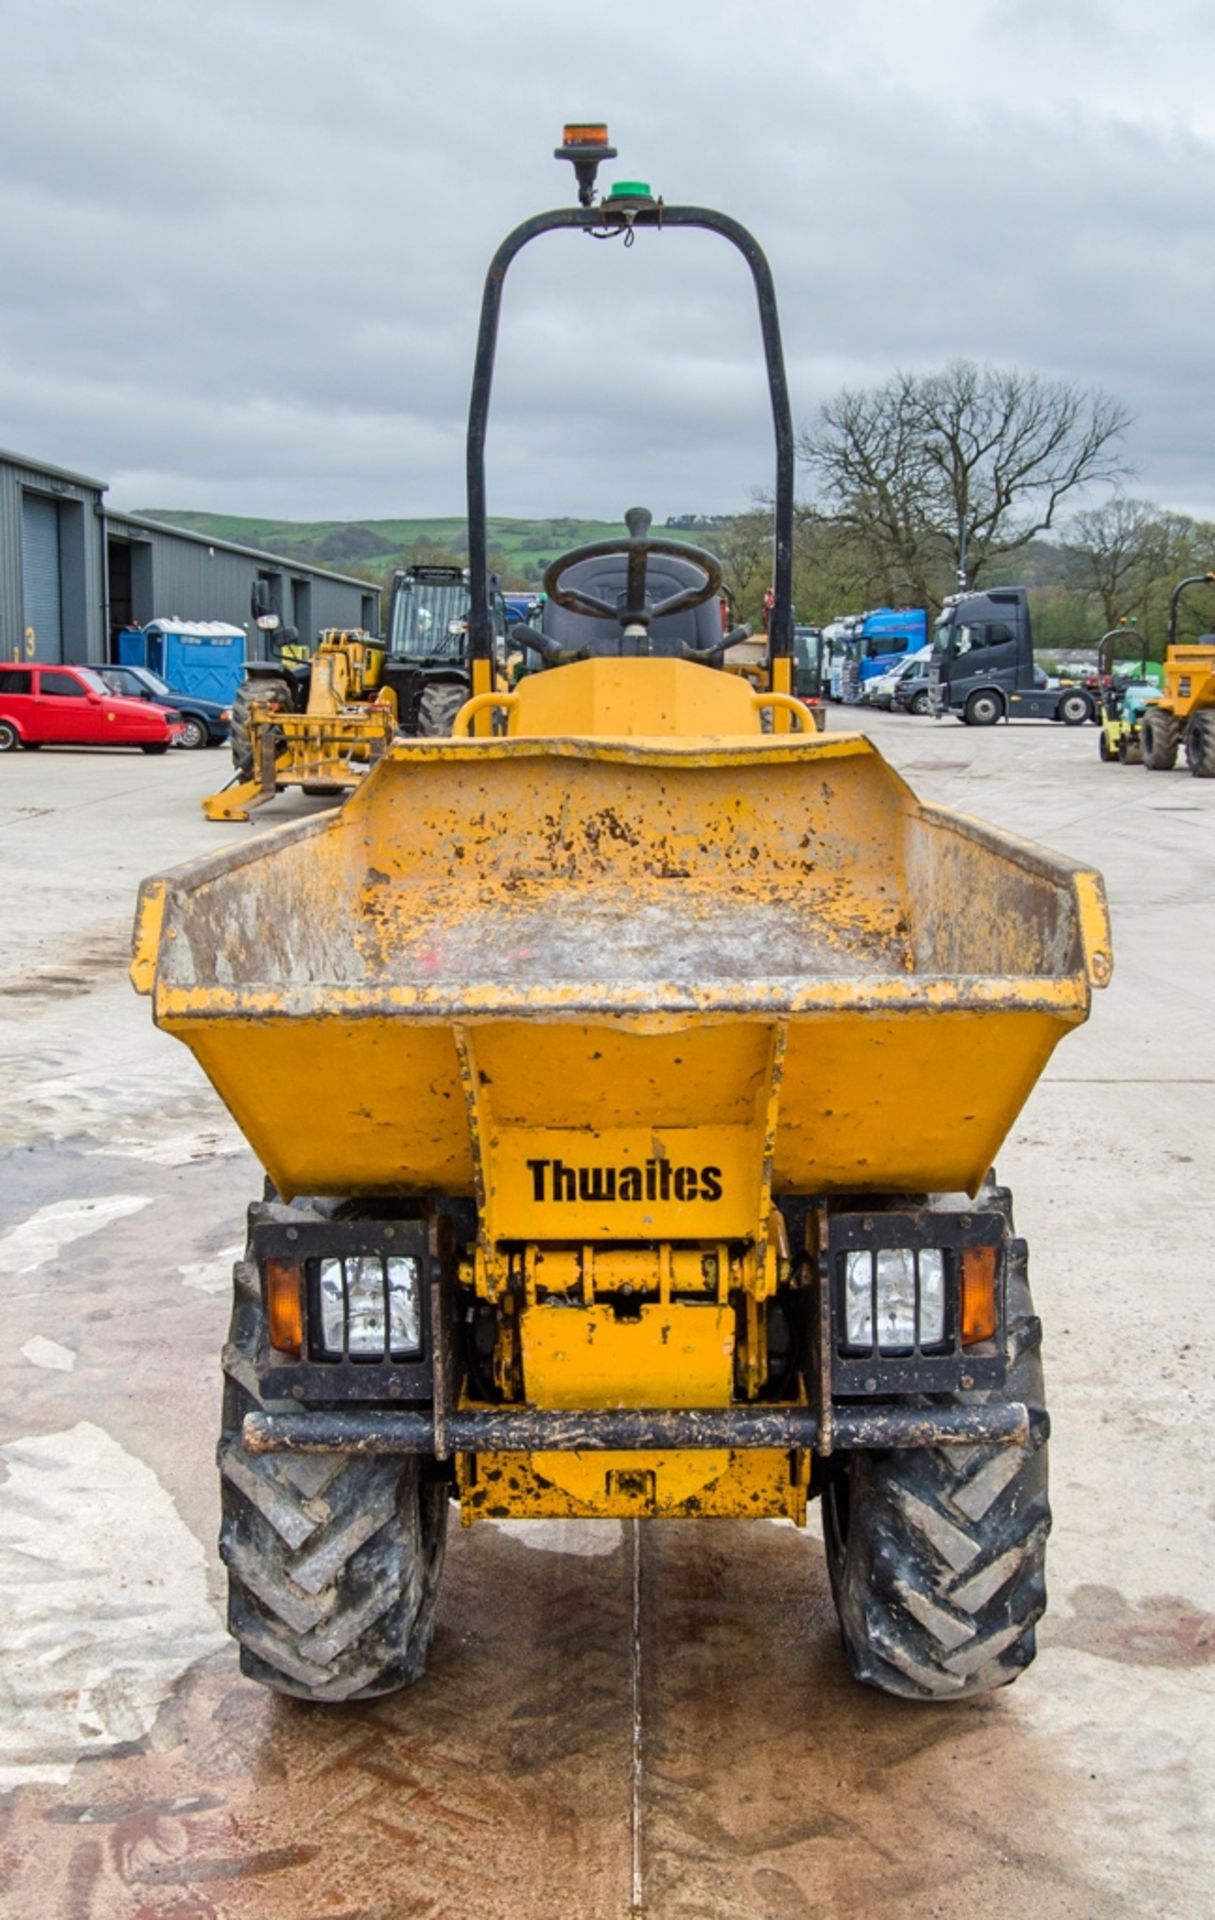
(372, 546)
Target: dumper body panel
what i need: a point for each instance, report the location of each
(624, 992)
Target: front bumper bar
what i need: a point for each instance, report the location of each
(527, 1430)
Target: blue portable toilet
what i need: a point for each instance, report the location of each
(206, 657)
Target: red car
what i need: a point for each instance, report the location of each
(72, 706)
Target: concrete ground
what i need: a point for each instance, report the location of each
(614, 1720)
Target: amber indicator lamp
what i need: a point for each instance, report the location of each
(978, 1295)
(285, 1304)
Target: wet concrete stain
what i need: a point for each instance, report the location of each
(500, 1788)
(1160, 1631)
(77, 970)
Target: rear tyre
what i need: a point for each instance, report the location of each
(1160, 735)
(1104, 750)
(437, 709)
(333, 1559)
(10, 739)
(983, 709)
(193, 733)
(1074, 709)
(937, 1555)
(274, 689)
(1200, 746)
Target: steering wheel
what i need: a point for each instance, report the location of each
(633, 607)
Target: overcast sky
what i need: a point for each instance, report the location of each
(242, 243)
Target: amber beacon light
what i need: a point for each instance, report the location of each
(585, 143)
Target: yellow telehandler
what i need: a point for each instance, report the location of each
(627, 1079)
(319, 721)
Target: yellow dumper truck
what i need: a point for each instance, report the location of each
(627, 1069)
(1184, 713)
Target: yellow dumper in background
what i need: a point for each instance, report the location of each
(1184, 714)
(626, 1081)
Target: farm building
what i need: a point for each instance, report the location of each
(73, 573)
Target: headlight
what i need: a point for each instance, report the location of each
(884, 1281)
(362, 1294)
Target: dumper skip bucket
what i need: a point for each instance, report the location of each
(550, 942)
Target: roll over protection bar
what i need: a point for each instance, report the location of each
(1193, 580)
(624, 218)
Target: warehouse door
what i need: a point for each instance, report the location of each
(42, 606)
(122, 602)
(301, 610)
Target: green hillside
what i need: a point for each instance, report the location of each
(373, 547)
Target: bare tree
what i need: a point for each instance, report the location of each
(946, 472)
(745, 548)
(1121, 548)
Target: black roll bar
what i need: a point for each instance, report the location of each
(1195, 580)
(1105, 660)
(624, 218)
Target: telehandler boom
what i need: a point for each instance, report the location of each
(579, 1049)
(320, 723)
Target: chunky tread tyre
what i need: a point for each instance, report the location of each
(333, 1559)
(1160, 737)
(438, 706)
(271, 687)
(1200, 746)
(937, 1555)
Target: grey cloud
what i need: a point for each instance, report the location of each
(244, 247)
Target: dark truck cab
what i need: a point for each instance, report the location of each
(983, 658)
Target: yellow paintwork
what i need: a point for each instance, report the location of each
(346, 666)
(624, 699)
(343, 732)
(677, 1355)
(333, 750)
(781, 675)
(1188, 682)
(621, 975)
(673, 1355)
(483, 677)
(754, 1484)
(785, 710)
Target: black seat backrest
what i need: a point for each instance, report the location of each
(699, 627)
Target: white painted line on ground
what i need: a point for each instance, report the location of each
(41, 1352)
(636, 1770)
(213, 1275)
(103, 1598)
(25, 1248)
